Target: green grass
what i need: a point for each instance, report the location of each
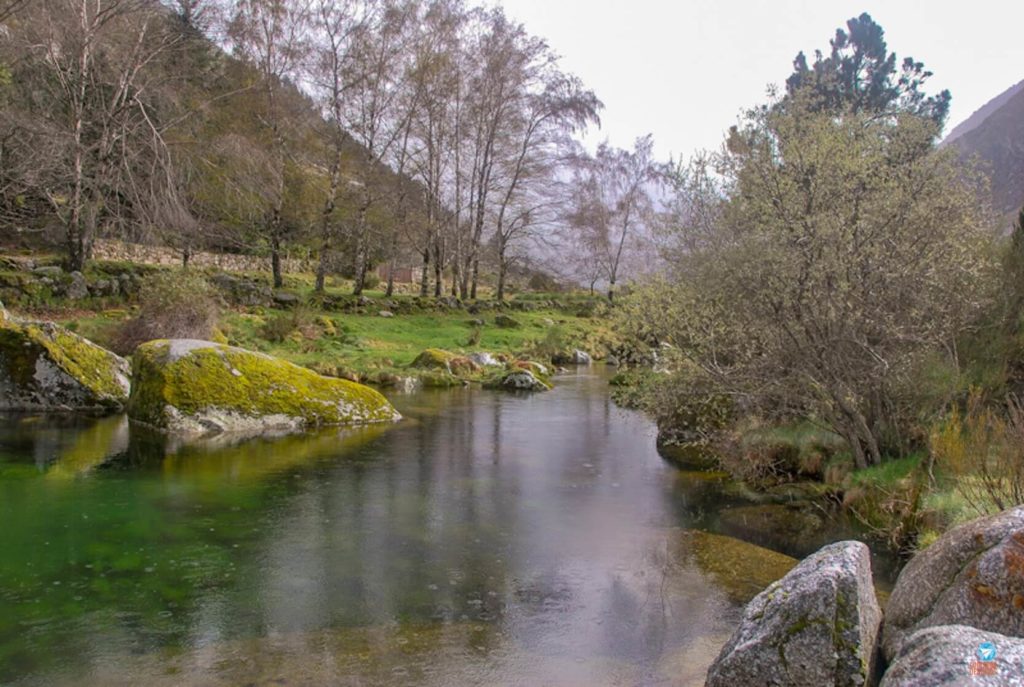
(365, 343)
(889, 473)
(802, 436)
(370, 342)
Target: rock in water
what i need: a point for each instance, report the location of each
(581, 357)
(952, 655)
(46, 367)
(816, 627)
(517, 380)
(192, 387)
(972, 575)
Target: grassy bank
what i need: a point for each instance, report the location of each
(367, 338)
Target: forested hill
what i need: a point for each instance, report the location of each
(424, 133)
(998, 139)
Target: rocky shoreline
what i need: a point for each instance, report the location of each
(957, 611)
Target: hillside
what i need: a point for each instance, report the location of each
(999, 142)
(983, 113)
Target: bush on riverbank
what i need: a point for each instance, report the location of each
(173, 304)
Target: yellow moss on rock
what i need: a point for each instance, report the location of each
(44, 366)
(197, 387)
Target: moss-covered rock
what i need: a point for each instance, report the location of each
(517, 379)
(445, 361)
(506, 322)
(198, 387)
(46, 367)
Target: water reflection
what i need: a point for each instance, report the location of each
(488, 539)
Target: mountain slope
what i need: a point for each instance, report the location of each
(983, 113)
(999, 142)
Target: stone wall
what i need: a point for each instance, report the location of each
(110, 249)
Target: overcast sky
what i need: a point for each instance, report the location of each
(683, 69)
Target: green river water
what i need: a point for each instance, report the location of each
(487, 539)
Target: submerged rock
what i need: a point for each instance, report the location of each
(193, 387)
(739, 569)
(815, 627)
(972, 575)
(775, 525)
(46, 367)
(948, 656)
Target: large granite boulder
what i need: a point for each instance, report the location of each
(46, 367)
(952, 655)
(190, 387)
(816, 627)
(972, 575)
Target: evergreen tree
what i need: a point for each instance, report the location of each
(861, 75)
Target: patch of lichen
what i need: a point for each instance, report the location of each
(231, 379)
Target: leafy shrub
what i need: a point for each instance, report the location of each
(553, 343)
(982, 449)
(173, 304)
(296, 324)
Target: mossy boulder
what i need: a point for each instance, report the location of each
(445, 361)
(517, 379)
(46, 367)
(816, 626)
(506, 322)
(190, 387)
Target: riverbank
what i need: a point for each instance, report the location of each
(372, 338)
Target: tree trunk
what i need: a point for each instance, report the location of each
(321, 269)
(390, 291)
(360, 258)
(500, 295)
(476, 275)
(425, 276)
(279, 280)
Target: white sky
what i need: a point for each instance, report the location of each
(683, 69)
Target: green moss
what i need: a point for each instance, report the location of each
(740, 569)
(217, 377)
(90, 364)
(434, 359)
(98, 370)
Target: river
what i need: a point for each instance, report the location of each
(487, 539)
